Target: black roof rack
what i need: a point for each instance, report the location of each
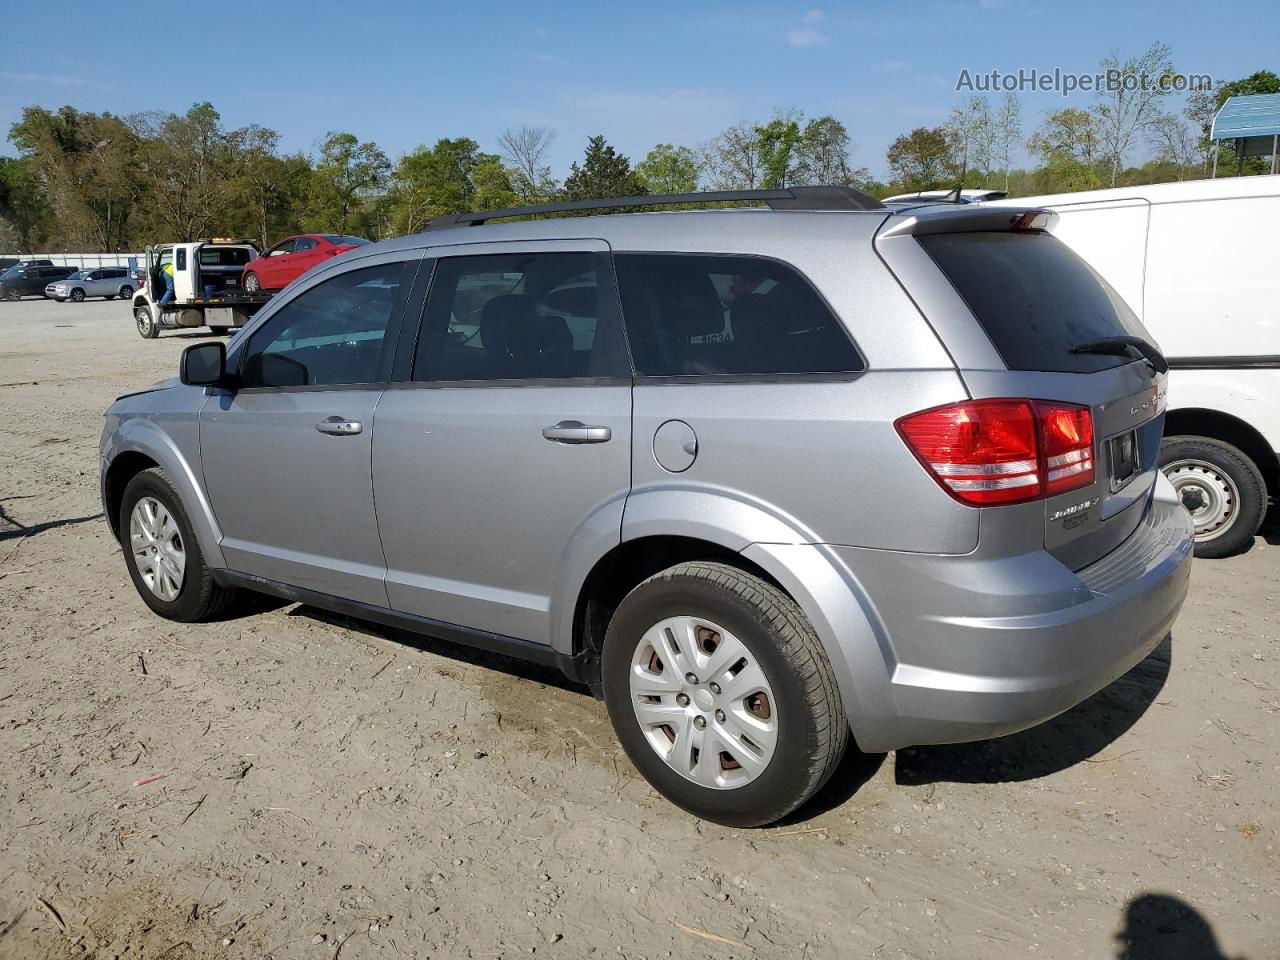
(788, 198)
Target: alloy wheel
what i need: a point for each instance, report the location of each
(157, 548)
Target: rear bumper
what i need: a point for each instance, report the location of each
(983, 648)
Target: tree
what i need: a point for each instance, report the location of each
(526, 150)
(24, 205)
(1131, 102)
(823, 156)
(348, 172)
(732, 159)
(776, 144)
(1262, 81)
(1176, 142)
(88, 164)
(453, 176)
(1070, 149)
(604, 173)
(970, 133)
(1006, 133)
(669, 169)
(921, 160)
(186, 170)
(267, 190)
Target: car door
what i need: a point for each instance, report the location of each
(96, 285)
(510, 438)
(307, 252)
(274, 267)
(286, 455)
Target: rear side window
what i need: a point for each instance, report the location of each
(1034, 297)
(521, 316)
(713, 315)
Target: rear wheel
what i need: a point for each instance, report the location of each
(77, 295)
(125, 292)
(164, 558)
(252, 284)
(721, 694)
(148, 328)
(1221, 487)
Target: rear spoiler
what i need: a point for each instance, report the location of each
(945, 218)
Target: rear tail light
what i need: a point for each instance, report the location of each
(988, 452)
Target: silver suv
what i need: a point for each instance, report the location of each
(109, 282)
(759, 477)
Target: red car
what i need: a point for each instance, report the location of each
(291, 258)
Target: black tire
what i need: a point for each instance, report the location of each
(251, 283)
(77, 295)
(125, 292)
(148, 328)
(199, 597)
(813, 731)
(1228, 470)
(12, 295)
(219, 331)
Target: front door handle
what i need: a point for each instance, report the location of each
(339, 426)
(575, 431)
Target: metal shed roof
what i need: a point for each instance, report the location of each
(1243, 117)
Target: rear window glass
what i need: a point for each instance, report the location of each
(342, 241)
(224, 256)
(1035, 298)
(714, 315)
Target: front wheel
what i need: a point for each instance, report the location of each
(148, 328)
(77, 296)
(721, 694)
(162, 553)
(1221, 487)
(125, 292)
(252, 284)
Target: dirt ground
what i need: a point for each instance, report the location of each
(330, 788)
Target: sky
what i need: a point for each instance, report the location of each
(403, 74)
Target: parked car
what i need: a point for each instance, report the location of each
(206, 287)
(294, 256)
(30, 279)
(759, 479)
(1198, 264)
(7, 262)
(108, 282)
(970, 195)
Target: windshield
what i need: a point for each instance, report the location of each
(79, 275)
(343, 240)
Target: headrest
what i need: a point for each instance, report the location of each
(688, 305)
(511, 326)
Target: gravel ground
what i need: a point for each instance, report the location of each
(332, 788)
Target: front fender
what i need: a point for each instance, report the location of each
(176, 450)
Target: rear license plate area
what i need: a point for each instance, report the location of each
(1123, 459)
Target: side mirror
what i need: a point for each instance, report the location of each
(204, 365)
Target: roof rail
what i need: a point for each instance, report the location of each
(787, 198)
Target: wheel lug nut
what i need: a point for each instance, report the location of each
(682, 699)
(720, 715)
(689, 677)
(699, 722)
(715, 687)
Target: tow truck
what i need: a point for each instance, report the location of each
(206, 287)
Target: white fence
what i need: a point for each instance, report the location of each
(83, 261)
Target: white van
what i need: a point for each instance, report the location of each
(1199, 262)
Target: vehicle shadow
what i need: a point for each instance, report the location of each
(23, 530)
(446, 648)
(1070, 738)
(855, 770)
(1161, 927)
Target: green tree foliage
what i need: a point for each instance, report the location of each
(453, 176)
(185, 163)
(24, 205)
(348, 176)
(1069, 146)
(922, 160)
(88, 165)
(603, 173)
(1123, 113)
(823, 156)
(670, 169)
(266, 189)
(731, 160)
(776, 143)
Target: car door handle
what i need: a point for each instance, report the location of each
(575, 431)
(339, 426)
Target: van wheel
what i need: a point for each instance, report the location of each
(148, 329)
(252, 284)
(161, 551)
(721, 694)
(1221, 487)
(77, 296)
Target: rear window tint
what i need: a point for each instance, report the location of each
(224, 256)
(714, 315)
(1035, 298)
